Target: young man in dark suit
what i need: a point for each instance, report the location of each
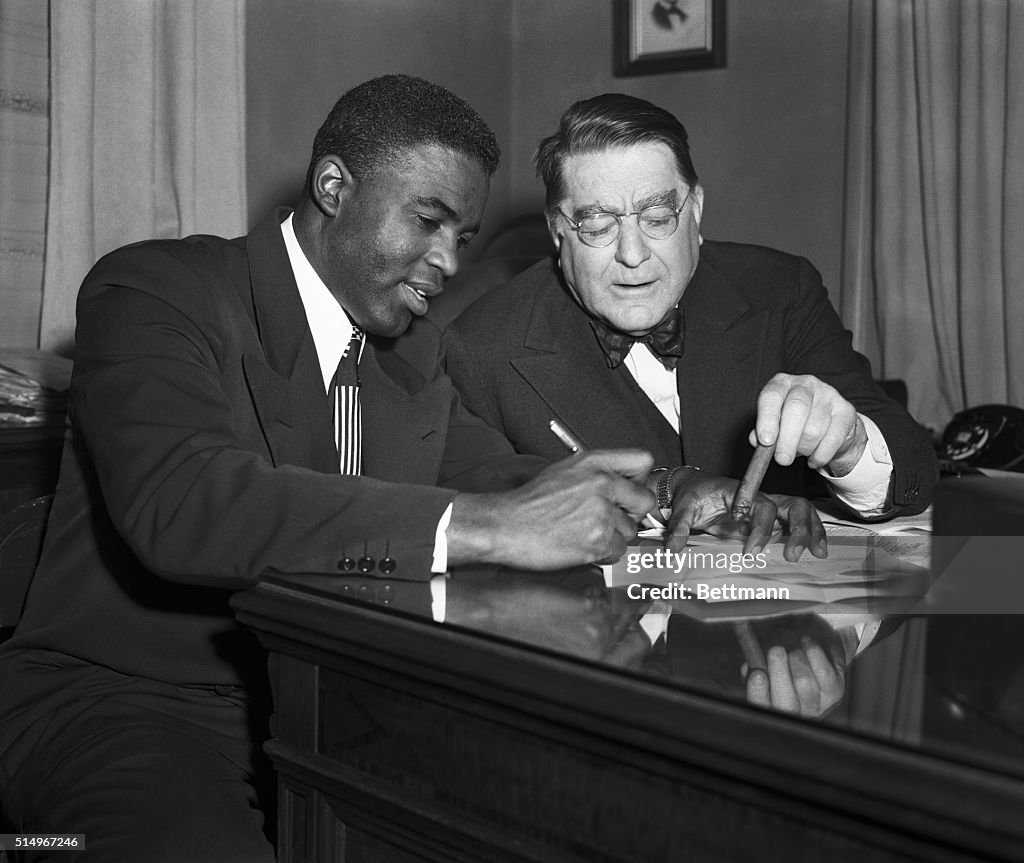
(230, 413)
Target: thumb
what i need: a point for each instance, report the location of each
(677, 534)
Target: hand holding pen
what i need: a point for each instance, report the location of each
(575, 445)
(713, 504)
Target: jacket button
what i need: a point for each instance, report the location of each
(366, 563)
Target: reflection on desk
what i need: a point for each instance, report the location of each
(552, 718)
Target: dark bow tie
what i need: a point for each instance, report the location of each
(665, 340)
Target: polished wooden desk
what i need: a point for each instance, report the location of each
(399, 739)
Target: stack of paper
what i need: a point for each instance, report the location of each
(865, 572)
(32, 392)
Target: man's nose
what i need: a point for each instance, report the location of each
(631, 247)
(444, 254)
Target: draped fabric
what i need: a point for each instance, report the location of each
(933, 268)
(24, 130)
(147, 134)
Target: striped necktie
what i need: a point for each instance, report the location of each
(345, 407)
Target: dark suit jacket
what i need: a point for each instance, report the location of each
(526, 353)
(200, 453)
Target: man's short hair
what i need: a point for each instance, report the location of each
(375, 122)
(609, 120)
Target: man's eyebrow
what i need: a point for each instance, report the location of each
(666, 198)
(435, 204)
(581, 213)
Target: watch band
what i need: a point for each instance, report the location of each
(663, 490)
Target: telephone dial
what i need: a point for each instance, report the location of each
(989, 436)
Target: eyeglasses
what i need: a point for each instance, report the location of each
(602, 229)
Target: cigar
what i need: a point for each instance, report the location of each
(743, 501)
(752, 653)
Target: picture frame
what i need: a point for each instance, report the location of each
(653, 36)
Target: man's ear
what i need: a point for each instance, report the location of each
(554, 231)
(330, 185)
(698, 203)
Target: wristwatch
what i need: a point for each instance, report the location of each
(663, 490)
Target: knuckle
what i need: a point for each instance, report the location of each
(813, 431)
(800, 395)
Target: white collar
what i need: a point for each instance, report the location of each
(328, 322)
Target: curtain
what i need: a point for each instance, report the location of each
(933, 259)
(24, 131)
(147, 137)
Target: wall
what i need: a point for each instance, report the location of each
(767, 130)
(303, 55)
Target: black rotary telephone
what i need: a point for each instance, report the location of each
(989, 436)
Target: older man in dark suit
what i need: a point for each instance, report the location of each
(642, 334)
(230, 414)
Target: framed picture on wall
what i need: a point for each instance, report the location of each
(668, 35)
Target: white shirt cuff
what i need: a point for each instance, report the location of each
(865, 628)
(439, 583)
(440, 562)
(654, 622)
(439, 597)
(865, 488)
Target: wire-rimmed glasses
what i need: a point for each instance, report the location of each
(598, 230)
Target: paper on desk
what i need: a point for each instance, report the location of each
(38, 368)
(851, 561)
(897, 542)
(837, 523)
(713, 578)
(26, 395)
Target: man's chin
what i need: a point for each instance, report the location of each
(394, 327)
(632, 326)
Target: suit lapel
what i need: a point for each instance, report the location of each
(723, 347)
(566, 368)
(285, 382)
(403, 425)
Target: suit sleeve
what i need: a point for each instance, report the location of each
(475, 383)
(818, 344)
(186, 482)
(478, 457)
